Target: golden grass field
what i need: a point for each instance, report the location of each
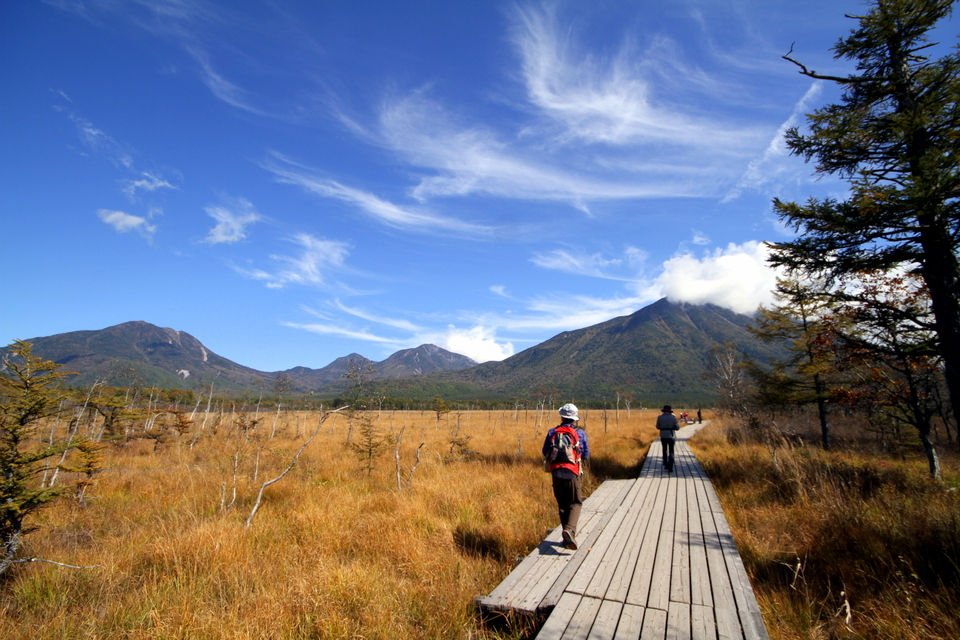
(334, 551)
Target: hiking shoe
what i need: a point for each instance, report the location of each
(568, 540)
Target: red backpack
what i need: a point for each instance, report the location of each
(564, 452)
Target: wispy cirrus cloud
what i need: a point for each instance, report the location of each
(339, 330)
(770, 168)
(197, 27)
(100, 144)
(629, 97)
(735, 277)
(97, 142)
(394, 322)
(464, 160)
(384, 211)
(594, 265)
(148, 181)
(233, 217)
(222, 88)
(591, 128)
(316, 260)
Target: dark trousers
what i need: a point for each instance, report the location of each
(569, 501)
(667, 444)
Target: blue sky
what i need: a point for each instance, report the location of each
(291, 182)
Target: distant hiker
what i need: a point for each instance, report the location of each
(668, 426)
(699, 417)
(564, 449)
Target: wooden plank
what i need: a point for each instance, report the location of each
(728, 624)
(753, 626)
(680, 578)
(529, 582)
(607, 620)
(743, 591)
(506, 591)
(678, 621)
(652, 465)
(659, 596)
(582, 620)
(615, 555)
(699, 572)
(598, 551)
(551, 573)
(608, 495)
(631, 622)
(558, 586)
(639, 589)
(720, 587)
(654, 625)
(619, 585)
(545, 566)
(557, 623)
(702, 625)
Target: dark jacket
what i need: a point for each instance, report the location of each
(667, 424)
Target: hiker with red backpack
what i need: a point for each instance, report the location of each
(564, 450)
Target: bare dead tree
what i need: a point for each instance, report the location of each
(293, 462)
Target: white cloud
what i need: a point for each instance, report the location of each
(98, 142)
(474, 160)
(311, 266)
(478, 343)
(382, 210)
(615, 100)
(775, 162)
(232, 221)
(148, 181)
(737, 278)
(580, 264)
(124, 222)
(222, 88)
(396, 323)
(337, 330)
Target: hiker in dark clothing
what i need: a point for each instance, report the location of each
(668, 426)
(565, 466)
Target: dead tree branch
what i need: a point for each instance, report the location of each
(263, 487)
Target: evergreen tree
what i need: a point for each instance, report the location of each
(801, 377)
(895, 138)
(26, 398)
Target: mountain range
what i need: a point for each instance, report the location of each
(142, 353)
(660, 353)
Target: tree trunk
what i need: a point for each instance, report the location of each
(933, 460)
(822, 412)
(941, 272)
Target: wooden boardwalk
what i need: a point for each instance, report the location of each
(656, 560)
